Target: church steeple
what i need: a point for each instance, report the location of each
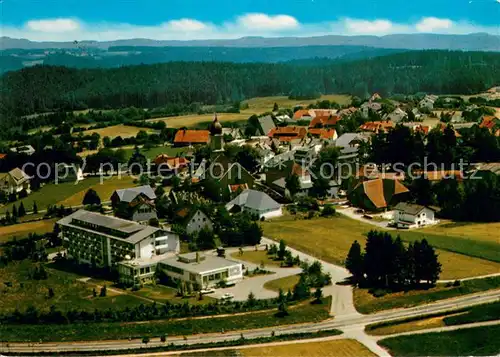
(216, 139)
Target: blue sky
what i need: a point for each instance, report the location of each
(196, 19)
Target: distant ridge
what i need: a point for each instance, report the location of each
(470, 42)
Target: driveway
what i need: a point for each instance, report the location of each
(254, 284)
(349, 212)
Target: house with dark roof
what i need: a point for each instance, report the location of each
(377, 195)
(409, 215)
(14, 181)
(257, 203)
(349, 145)
(276, 177)
(136, 203)
(185, 137)
(194, 220)
(221, 174)
(266, 124)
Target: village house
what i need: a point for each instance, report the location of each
(194, 220)
(374, 97)
(186, 137)
(256, 203)
(369, 106)
(377, 195)
(171, 163)
(324, 134)
(14, 181)
(491, 123)
(409, 215)
(324, 121)
(349, 145)
(376, 126)
(266, 124)
(303, 114)
(25, 150)
(276, 177)
(428, 102)
(288, 134)
(396, 116)
(136, 203)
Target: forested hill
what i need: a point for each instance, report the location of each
(43, 88)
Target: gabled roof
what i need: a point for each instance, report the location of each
(288, 133)
(129, 194)
(3, 156)
(377, 190)
(327, 120)
(266, 124)
(255, 200)
(376, 126)
(410, 208)
(17, 175)
(192, 136)
(489, 122)
(172, 162)
(302, 113)
(323, 133)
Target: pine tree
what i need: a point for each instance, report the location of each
(51, 293)
(14, 212)
(354, 262)
(430, 266)
(91, 198)
(35, 207)
(318, 295)
(22, 211)
(103, 291)
(282, 250)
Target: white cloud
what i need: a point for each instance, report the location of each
(53, 25)
(186, 25)
(368, 27)
(252, 24)
(433, 24)
(263, 22)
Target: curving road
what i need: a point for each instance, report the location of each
(346, 319)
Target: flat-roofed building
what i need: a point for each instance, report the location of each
(104, 241)
(203, 271)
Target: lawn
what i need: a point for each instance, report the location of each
(487, 232)
(23, 230)
(163, 294)
(261, 105)
(256, 257)
(335, 348)
(366, 303)
(479, 341)
(104, 190)
(69, 292)
(121, 330)
(330, 239)
(284, 284)
(195, 120)
(478, 313)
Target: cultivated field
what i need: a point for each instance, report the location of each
(331, 238)
(195, 120)
(488, 232)
(124, 131)
(335, 348)
(265, 104)
(24, 229)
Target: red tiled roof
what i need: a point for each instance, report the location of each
(323, 133)
(441, 174)
(377, 126)
(327, 120)
(3, 156)
(374, 190)
(192, 136)
(172, 162)
(288, 133)
(301, 113)
(488, 122)
(424, 129)
(235, 188)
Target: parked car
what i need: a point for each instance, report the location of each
(208, 291)
(228, 296)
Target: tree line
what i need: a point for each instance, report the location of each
(387, 263)
(47, 88)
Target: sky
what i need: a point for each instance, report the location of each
(106, 20)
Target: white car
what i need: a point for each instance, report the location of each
(208, 291)
(227, 296)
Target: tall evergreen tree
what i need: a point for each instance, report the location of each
(354, 262)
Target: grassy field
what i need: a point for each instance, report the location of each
(284, 284)
(195, 120)
(335, 348)
(478, 313)
(331, 238)
(125, 131)
(69, 292)
(265, 104)
(154, 152)
(487, 232)
(366, 303)
(104, 190)
(480, 341)
(256, 257)
(163, 293)
(23, 230)
(69, 192)
(121, 330)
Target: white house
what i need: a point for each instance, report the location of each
(256, 202)
(196, 221)
(408, 215)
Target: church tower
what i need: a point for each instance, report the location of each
(216, 138)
